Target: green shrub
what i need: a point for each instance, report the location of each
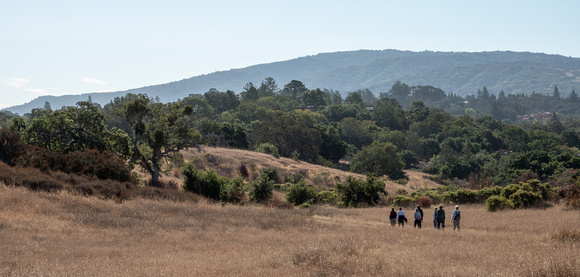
(268, 148)
(496, 202)
(261, 189)
(233, 191)
(208, 183)
(272, 174)
(301, 193)
(489, 191)
(525, 199)
(401, 192)
(355, 192)
(328, 196)
(509, 190)
(403, 201)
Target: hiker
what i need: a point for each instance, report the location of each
(418, 218)
(401, 217)
(393, 217)
(440, 218)
(456, 217)
(420, 211)
(435, 218)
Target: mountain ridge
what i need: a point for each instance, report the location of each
(461, 73)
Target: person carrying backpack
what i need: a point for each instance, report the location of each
(418, 218)
(393, 217)
(440, 218)
(456, 217)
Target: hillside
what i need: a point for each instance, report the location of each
(454, 72)
(226, 162)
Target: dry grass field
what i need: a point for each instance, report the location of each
(60, 234)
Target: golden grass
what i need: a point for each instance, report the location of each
(226, 161)
(60, 234)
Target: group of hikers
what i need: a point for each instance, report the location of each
(438, 217)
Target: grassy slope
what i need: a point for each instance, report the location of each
(226, 162)
(48, 234)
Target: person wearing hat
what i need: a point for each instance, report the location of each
(456, 217)
(441, 218)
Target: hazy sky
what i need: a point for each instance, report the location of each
(71, 47)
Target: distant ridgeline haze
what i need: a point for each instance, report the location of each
(458, 73)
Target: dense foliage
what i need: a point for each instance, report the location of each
(477, 139)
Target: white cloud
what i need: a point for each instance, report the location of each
(16, 82)
(39, 91)
(93, 81)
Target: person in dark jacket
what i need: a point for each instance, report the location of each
(393, 217)
(435, 218)
(440, 218)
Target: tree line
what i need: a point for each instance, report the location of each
(405, 128)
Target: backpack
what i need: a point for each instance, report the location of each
(418, 216)
(458, 215)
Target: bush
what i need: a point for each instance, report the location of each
(571, 195)
(268, 148)
(489, 191)
(496, 202)
(327, 196)
(525, 199)
(403, 201)
(425, 202)
(301, 193)
(261, 189)
(243, 171)
(272, 174)
(233, 191)
(355, 192)
(208, 183)
(509, 190)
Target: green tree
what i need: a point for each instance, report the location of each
(250, 92)
(353, 98)
(355, 192)
(69, 129)
(379, 158)
(157, 131)
(268, 87)
(294, 90)
(289, 135)
(315, 97)
(556, 92)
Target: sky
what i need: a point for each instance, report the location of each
(63, 47)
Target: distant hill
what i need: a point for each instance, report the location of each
(455, 72)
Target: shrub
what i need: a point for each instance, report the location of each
(261, 189)
(489, 191)
(496, 202)
(525, 199)
(244, 171)
(401, 192)
(403, 201)
(233, 191)
(10, 145)
(328, 196)
(509, 190)
(208, 184)
(571, 195)
(425, 202)
(355, 192)
(272, 174)
(301, 193)
(467, 196)
(268, 148)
